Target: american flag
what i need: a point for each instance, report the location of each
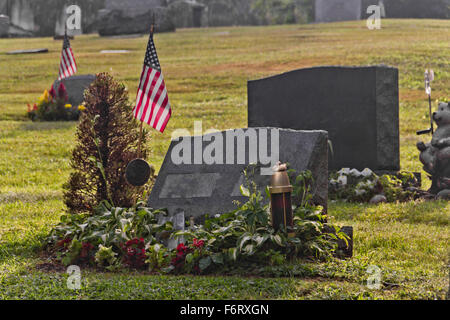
(152, 102)
(68, 66)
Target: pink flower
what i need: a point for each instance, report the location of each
(52, 92)
(62, 92)
(198, 243)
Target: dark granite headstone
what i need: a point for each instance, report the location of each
(358, 106)
(202, 188)
(75, 86)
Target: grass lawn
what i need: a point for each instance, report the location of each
(206, 72)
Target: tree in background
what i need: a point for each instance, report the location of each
(107, 140)
(430, 9)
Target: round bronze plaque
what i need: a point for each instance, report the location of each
(138, 172)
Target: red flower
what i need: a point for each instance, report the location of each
(198, 243)
(64, 242)
(35, 107)
(52, 92)
(62, 92)
(86, 249)
(181, 247)
(135, 253)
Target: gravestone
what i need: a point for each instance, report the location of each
(28, 51)
(188, 14)
(337, 10)
(75, 86)
(120, 17)
(4, 25)
(199, 181)
(358, 106)
(21, 15)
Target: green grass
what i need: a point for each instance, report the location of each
(206, 72)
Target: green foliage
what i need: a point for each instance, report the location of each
(107, 141)
(355, 186)
(72, 253)
(109, 227)
(158, 257)
(246, 236)
(302, 184)
(105, 256)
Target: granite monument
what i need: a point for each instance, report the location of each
(203, 174)
(358, 106)
(75, 86)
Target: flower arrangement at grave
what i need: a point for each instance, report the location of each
(353, 185)
(242, 240)
(53, 106)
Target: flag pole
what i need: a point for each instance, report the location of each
(63, 81)
(152, 29)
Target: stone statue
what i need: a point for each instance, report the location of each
(435, 155)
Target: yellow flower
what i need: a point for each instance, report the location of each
(81, 107)
(46, 96)
(68, 106)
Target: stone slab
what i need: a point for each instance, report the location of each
(75, 86)
(358, 106)
(198, 188)
(114, 51)
(28, 51)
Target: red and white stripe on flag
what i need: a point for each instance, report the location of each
(152, 102)
(68, 66)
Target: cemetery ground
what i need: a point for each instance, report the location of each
(206, 72)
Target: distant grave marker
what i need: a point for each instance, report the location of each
(114, 51)
(28, 51)
(75, 86)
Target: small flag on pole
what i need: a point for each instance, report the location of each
(68, 66)
(152, 102)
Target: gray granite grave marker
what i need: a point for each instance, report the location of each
(358, 106)
(75, 86)
(201, 188)
(28, 51)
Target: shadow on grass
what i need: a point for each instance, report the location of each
(46, 126)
